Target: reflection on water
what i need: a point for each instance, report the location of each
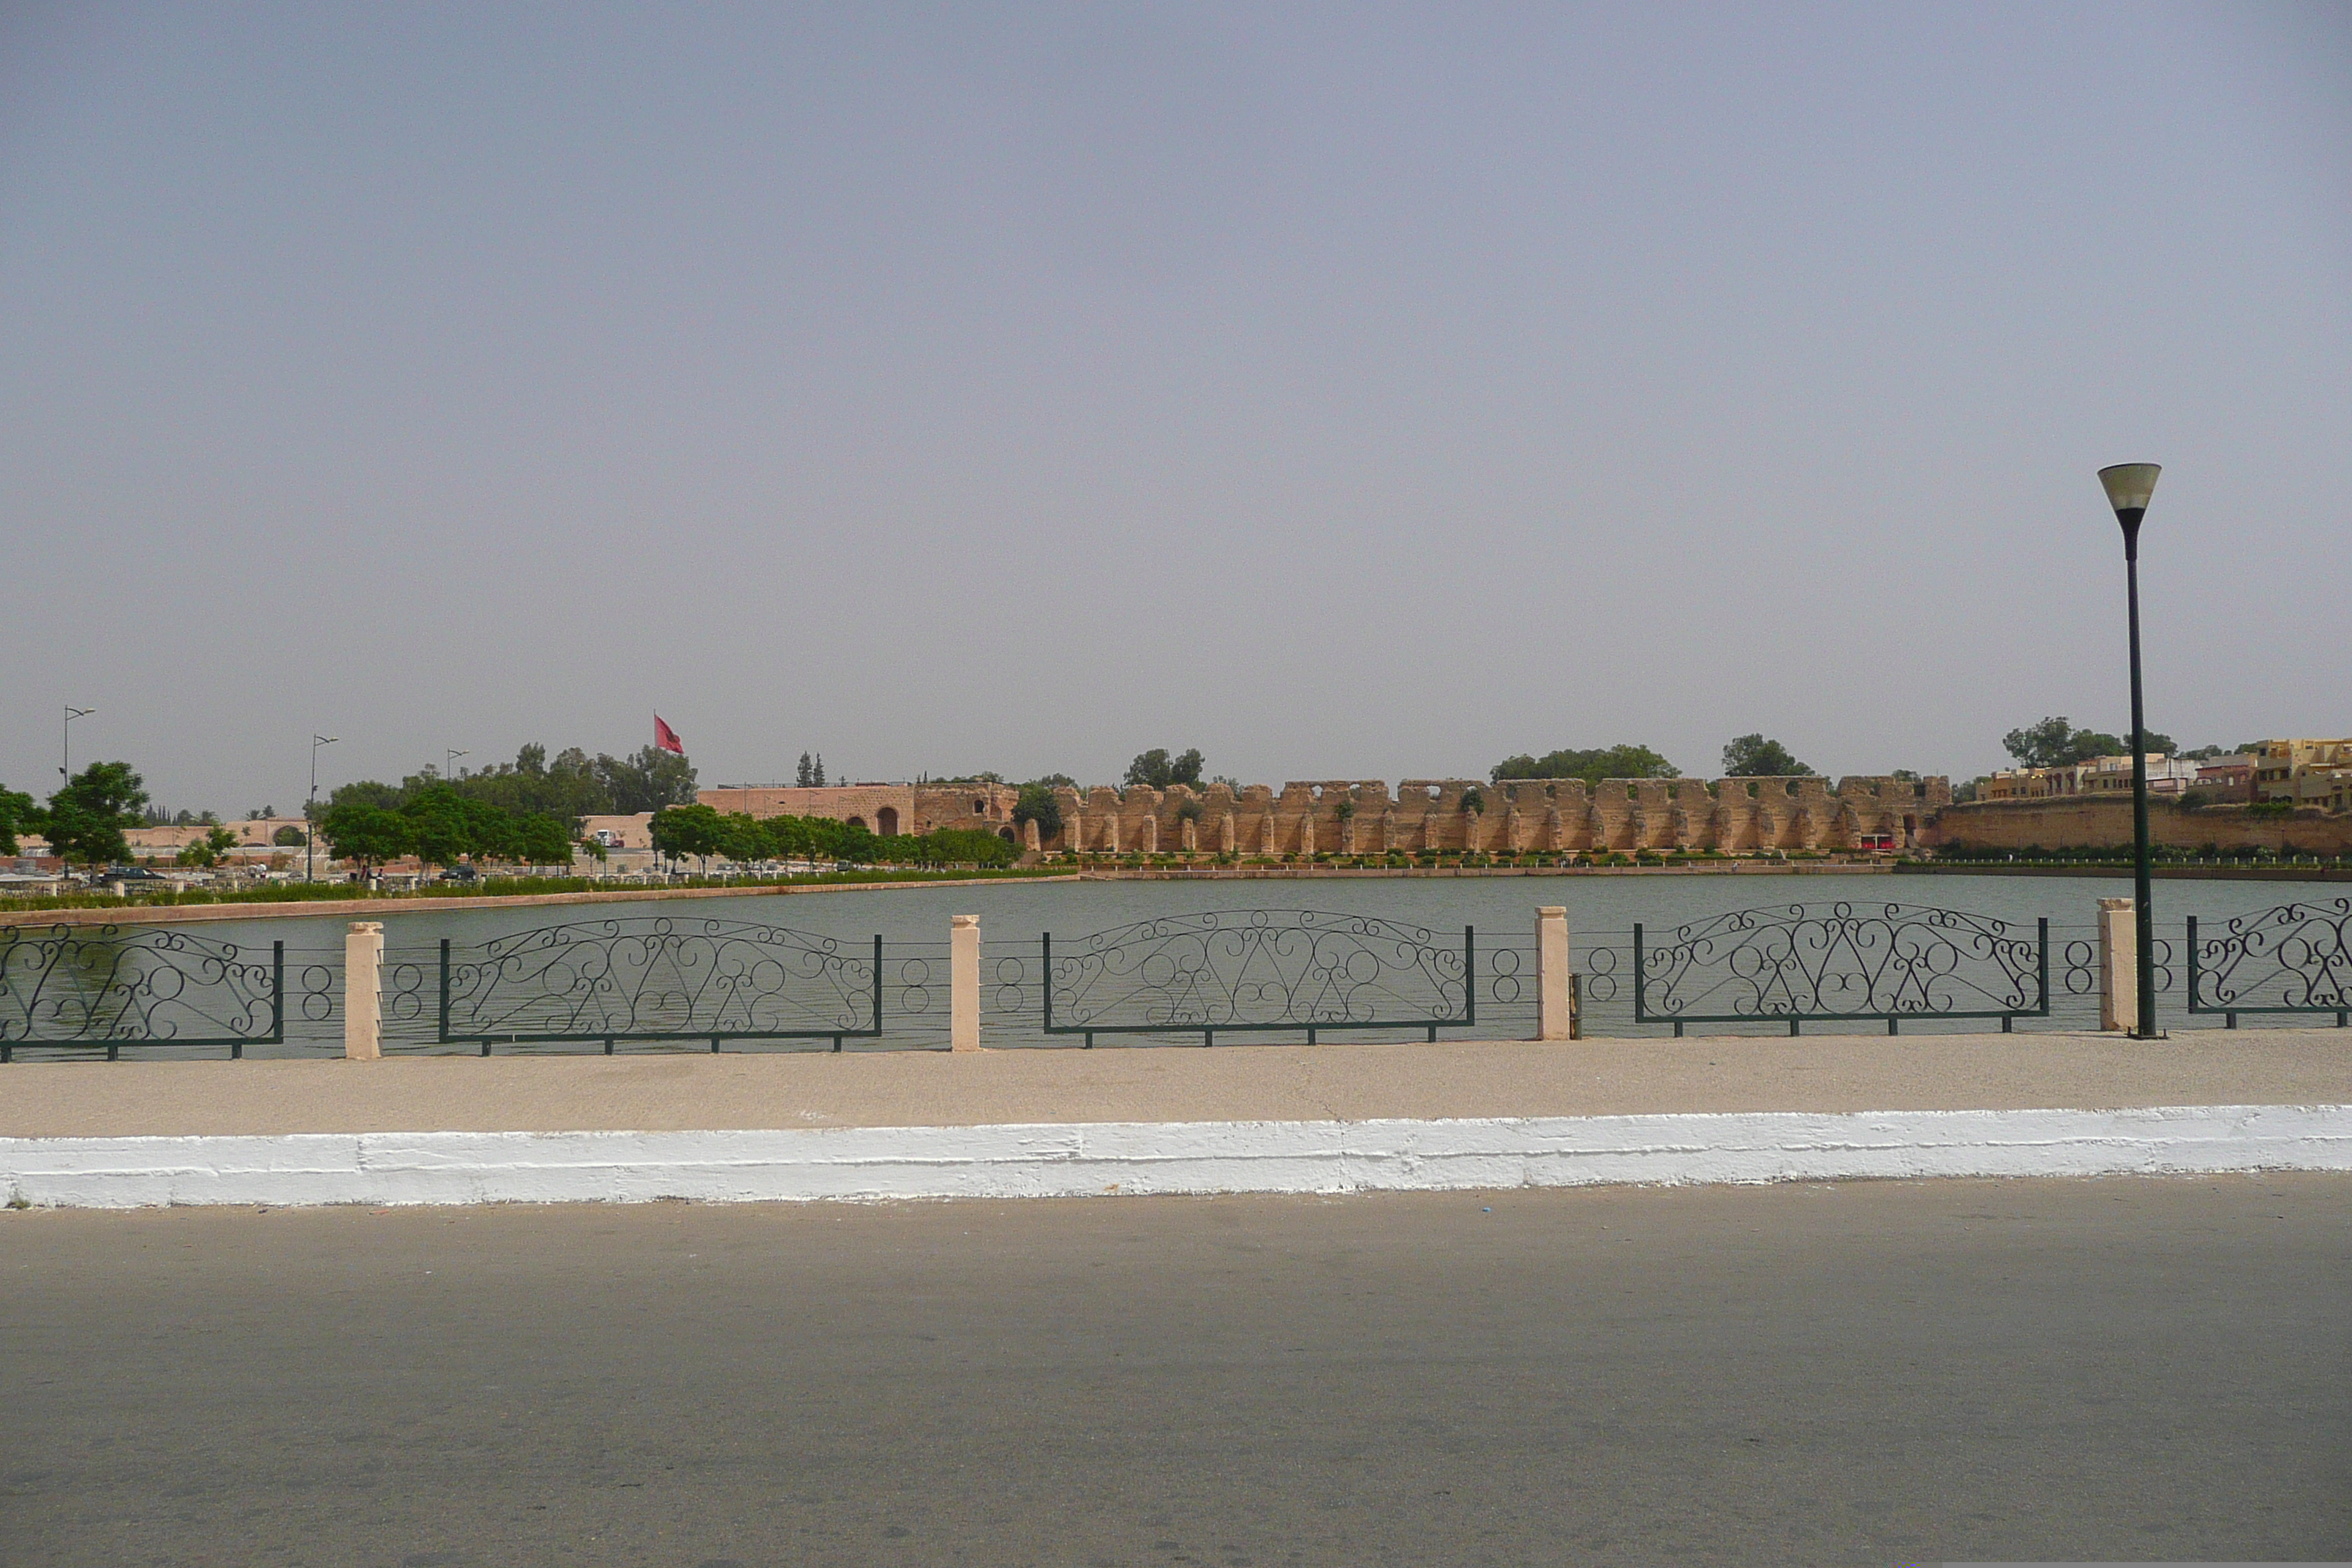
(913, 921)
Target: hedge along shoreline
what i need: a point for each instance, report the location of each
(240, 907)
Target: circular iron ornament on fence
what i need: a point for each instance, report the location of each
(1503, 985)
(1597, 982)
(318, 982)
(2082, 968)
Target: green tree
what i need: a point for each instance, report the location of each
(365, 834)
(681, 830)
(1037, 803)
(207, 851)
(360, 792)
(844, 841)
(1754, 757)
(648, 779)
(451, 826)
(290, 836)
(2054, 743)
(1621, 762)
(542, 838)
(1156, 768)
(87, 818)
(744, 838)
(18, 814)
(788, 837)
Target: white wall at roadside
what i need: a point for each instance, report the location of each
(1131, 1158)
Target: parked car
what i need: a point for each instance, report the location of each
(461, 874)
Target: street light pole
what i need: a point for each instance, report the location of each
(311, 809)
(449, 769)
(64, 753)
(2130, 485)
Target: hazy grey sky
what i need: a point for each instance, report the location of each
(1348, 391)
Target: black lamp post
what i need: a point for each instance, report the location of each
(2130, 485)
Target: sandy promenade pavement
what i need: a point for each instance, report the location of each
(1173, 1084)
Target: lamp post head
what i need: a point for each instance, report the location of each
(2130, 485)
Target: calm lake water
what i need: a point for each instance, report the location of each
(913, 922)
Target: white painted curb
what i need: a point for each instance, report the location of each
(1062, 1160)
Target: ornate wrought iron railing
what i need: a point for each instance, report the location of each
(111, 985)
(2291, 959)
(1844, 962)
(1256, 972)
(652, 978)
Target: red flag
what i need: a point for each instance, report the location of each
(667, 738)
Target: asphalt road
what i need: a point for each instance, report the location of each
(2134, 1370)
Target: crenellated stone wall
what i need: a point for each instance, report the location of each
(1356, 816)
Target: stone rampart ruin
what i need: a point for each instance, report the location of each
(1354, 816)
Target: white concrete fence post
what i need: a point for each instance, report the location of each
(2118, 964)
(963, 983)
(1555, 986)
(363, 990)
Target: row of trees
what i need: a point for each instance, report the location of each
(441, 826)
(527, 811)
(701, 832)
(2056, 742)
(572, 784)
(1745, 757)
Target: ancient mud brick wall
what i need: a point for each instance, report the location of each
(2107, 825)
(1359, 817)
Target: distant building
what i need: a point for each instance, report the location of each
(2229, 778)
(882, 808)
(2098, 776)
(2279, 765)
(632, 831)
(2111, 775)
(2327, 789)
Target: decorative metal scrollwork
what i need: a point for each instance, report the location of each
(2291, 959)
(655, 978)
(1798, 964)
(1258, 970)
(115, 985)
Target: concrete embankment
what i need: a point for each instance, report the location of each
(1265, 1119)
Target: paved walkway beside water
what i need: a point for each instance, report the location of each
(1452, 1079)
